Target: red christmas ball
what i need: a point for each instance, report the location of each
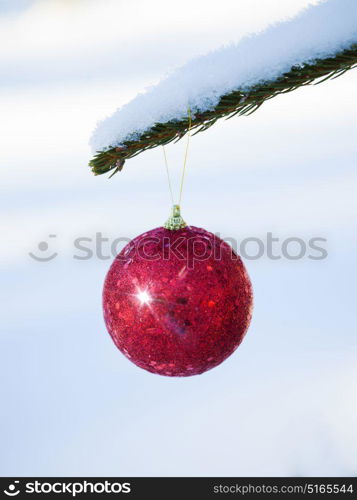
(177, 303)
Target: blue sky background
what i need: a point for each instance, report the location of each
(285, 402)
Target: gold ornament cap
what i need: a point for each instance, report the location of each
(175, 221)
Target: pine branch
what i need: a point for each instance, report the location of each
(232, 104)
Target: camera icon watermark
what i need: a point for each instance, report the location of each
(13, 489)
(43, 247)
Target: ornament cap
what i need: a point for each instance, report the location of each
(175, 221)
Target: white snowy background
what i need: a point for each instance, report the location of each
(285, 403)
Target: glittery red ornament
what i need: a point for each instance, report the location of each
(177, 303)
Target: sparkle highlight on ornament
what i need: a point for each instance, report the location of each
(143, 297)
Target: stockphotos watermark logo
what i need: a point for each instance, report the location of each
(101, 247)
(72, 488)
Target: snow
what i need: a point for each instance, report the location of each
(318, 31)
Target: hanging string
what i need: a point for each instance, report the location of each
(184, 162)
(168, 175)
(186, 154)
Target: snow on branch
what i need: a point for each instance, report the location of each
(319, 42)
